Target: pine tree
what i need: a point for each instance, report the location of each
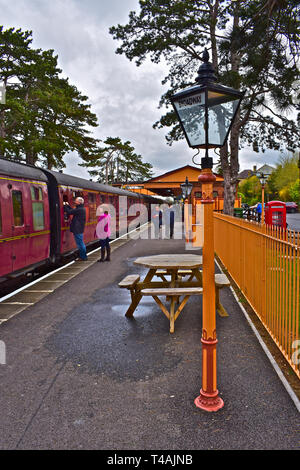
(44, 116)
(254, 46)
(116, 162)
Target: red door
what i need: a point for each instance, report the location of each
(39, 225)
(20, 226)
(6, 241)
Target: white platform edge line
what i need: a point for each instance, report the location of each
(266, 350)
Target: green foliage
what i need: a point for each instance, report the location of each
(44, 116)
(283, 183)
(284, 180)
(295, 191)
(250, 189)
(116, 162)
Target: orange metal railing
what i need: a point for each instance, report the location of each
(264, 262)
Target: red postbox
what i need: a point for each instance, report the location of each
(275, 214)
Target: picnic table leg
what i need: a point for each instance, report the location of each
(172, 311)
(198, 275)
(135, 300)
(136, 296)
(219, 307)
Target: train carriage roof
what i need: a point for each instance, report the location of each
(31, 172)
(81, 183)
(21, 170)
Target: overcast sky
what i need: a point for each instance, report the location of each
(123, 96)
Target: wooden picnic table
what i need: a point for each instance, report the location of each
(175, 266)
(179, 275)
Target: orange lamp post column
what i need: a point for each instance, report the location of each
(208, 399)
(262, 178)
(263, 204)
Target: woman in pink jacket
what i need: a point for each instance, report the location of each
(103, 233)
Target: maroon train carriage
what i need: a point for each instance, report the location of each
(65, 188)
(24, 217)
(34, 230)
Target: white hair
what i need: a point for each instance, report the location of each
(80, 199)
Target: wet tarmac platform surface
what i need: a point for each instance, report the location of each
(80, 375)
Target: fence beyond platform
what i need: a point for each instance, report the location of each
(264, 262)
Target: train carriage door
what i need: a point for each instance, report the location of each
(38, 241)
(6, 263)
(20, 226)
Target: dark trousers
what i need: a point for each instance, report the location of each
(104, 244)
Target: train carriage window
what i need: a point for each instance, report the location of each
(18, 208)
(92, 207)
(77, 194)
(36, 194)
(38, 215)
(37, 208)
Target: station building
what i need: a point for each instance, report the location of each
(168, 185)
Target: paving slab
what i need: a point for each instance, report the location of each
(80, 375)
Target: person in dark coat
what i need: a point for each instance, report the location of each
(77, 225)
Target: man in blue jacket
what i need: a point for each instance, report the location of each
(77, 225)
(259, 211)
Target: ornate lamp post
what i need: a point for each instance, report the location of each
(263, 179)
(206, 112)
(186, 188)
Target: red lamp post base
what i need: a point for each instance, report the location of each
(209, 401)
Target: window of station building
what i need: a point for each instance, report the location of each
(18, 211)
(37, 208)
(198, 194)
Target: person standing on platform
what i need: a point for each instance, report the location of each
(77, 225)
(103, 232)
(259, 211)
(170, 216)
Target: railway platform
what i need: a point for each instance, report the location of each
(78, 374)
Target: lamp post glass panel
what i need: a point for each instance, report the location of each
(206, 112)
